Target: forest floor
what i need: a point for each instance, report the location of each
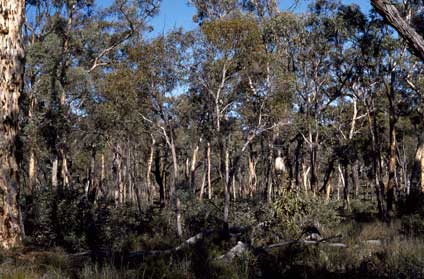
(360, 246)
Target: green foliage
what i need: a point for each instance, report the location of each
(296, 210)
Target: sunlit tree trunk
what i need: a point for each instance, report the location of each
(202, 187)
(150, 190)
(54, 172)
(193, 167)
(31, 171)
(209, 171)
(11, 85)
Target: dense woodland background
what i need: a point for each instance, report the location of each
(255, 127)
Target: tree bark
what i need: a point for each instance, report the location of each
(392, 162)
(11, 85)
(388, 11)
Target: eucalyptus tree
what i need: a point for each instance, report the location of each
(70, 43)
(11, 84)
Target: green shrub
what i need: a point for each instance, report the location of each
(296, 210)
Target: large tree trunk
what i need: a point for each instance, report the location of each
(392, 162)
(388, 10)
(11, 84)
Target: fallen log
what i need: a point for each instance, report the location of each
(236, 251)
(190, 241)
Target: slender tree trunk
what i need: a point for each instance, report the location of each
(305, 172)
(178, 216)
(346, 190)
(226, 191)
(149, 171)
(233, 185)
(102, 174)
(355, 177)
(392, 162)
(391, 184)
(159, 177)
(117, 170)
(54, 172)
(297, 161)
(252, 175)
(377, 169)
(31, 172)
(417, 176)
(11, 85)
(202, 188)
(175, 169)
(328, 192)
(92, 191)
(64, 168)
(193, 168)
(173, 193)
(271, 172)
(209, 172)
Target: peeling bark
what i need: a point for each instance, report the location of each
(11, 85)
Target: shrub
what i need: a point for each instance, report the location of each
(296, 210)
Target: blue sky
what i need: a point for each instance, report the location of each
(177, 13)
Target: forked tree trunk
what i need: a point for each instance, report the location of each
(11, 84)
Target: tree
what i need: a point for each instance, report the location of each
(11, 85)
